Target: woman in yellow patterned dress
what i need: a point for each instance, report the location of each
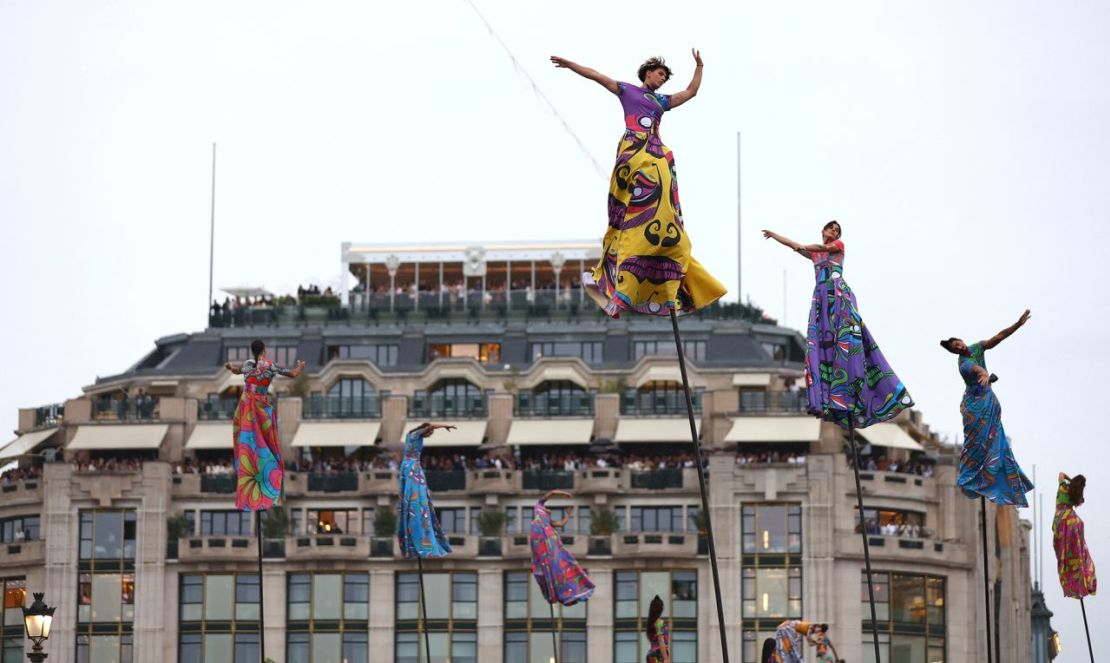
(646, 265)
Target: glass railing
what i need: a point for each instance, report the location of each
(657, 479)
(343, 407)
(647, 403)
(49, 415)
(547, 479)
(773, 401)
(126, 409)
(446, 479)
(577, 405)
(222, 409)
(436, 406)
(333, 483)
(217, 483)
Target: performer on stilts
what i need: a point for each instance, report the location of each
(848, 380)
(561, 578)
(790, 637)
(1073, 560)
(646, 266)
(258, 466)
(419, 534)
(988, 469)
(987, 465)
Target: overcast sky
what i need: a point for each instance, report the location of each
(963, 146)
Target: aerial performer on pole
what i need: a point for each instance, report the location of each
(258, 466)
(418, 531)
(848, 380)
(560, 577)
(646, 266)
(988, 469)
(1073, 560)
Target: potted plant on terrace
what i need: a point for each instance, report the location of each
(385, 530)
(491, 525)
(602, 526)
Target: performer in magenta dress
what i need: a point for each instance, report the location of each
(560, 577)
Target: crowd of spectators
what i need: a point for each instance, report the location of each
(142, 406)
(233, 311)
(916, 467)
(20, 474)
(765, 457)
(94, 465)
(895, 528)
(210, 467)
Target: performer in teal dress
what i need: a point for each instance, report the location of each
(418, 530)
(987, 464)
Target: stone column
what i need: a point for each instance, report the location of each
(59, 529)
(382, 606)
(491, 611)
(153, 622)
(599, 615)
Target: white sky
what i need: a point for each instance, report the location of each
(962, 145)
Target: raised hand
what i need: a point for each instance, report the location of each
(769, 234)
(561, 63)
(1024, 318)
(697, 57)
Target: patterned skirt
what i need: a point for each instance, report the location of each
(418, 530)
(987, 464)
(1073, 560)
(258, 465)
(788, 644)
(560, 577)
(646, 265)
(846, 373)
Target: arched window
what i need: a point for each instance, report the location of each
(347, 398)
(555, 398)
(453, 397)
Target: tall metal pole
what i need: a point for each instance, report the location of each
(555, 642)
(261, 601)
(701, 488)
(863, 533)
(986, 578)
(211, 232)
(1087, 629)
(739, 230)
(424, 610)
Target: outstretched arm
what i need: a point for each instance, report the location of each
(585, 72)
(691, 90)
(566, 517)
(556, 493)
(787, 242)
(1063, 478)
(1007, 332)
(236, 368)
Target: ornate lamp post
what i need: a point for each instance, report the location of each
(37, 620)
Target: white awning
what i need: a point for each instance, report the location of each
(210, 436)
(774, 429)
(660, 429)
(337, 433)
(25, 444)
(551, 431)
(554, 373)
(890, 435)
(118, 437)
(659, 373)
(751, 379)
(467, 433)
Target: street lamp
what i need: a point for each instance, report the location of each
(37, 620)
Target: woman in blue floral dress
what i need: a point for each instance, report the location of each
(418, 530)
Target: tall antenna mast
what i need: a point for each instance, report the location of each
(739, 231)
(211, 232)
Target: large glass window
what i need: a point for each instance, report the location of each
(225, 523)
(11, 624)
(453, 397)
(634, 591)
(528, 624)
(327, 617)
(588, 351)
(218, 618)
(335, 521)
(107, 535)
(105, 586)
(19, 528)
(452, 605)
(484, 353)
(771, 571)
(659, 398)
(347, 398)
(452, 520)
(894, 522)
(555, 398)
(911, 616)
(380, 354)
(655, 519)
(694, 350)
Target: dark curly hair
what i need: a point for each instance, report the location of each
(1075, 489)
(653, 63)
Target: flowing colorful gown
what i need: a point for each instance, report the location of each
(987, 464)
(662, 637)
(846, 374)
(418, 530)
(1073, 560)
(789, 641)
(560, 577)
(646, 265)
(824, 651)
(257, 453)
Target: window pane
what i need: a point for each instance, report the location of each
(217, 647)
(298, 648)
(408, 648)
(684, 647)
(438, 591)
(326, 648)
(108, 535)
(908, 599)
(355, 648)
(106, 598)
(516, 647)
(104, 649)
(464, 647)
(627, 647)
(190, 651)
(770, 596)
(652, 584)
(246, 648)
(326, 597)
(907, 648)
(541, 647)
(218, 598)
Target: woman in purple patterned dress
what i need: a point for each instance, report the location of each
(560, 577)
(848, 381)
(646, 265)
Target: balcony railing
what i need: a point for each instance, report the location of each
(436, 406)
(125, 409)
(217, 483)
(657, 479)
(658, 402)
(548, 479)
(333, 483)
(774, 401)
(446, 479)
(222, 409)
(344, 407)
(566, 405)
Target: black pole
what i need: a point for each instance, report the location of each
(863, 533)
(701, 487)
(1090, 650)
(555, 642)
(261, 601)
(424, 610)
(986, 578)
